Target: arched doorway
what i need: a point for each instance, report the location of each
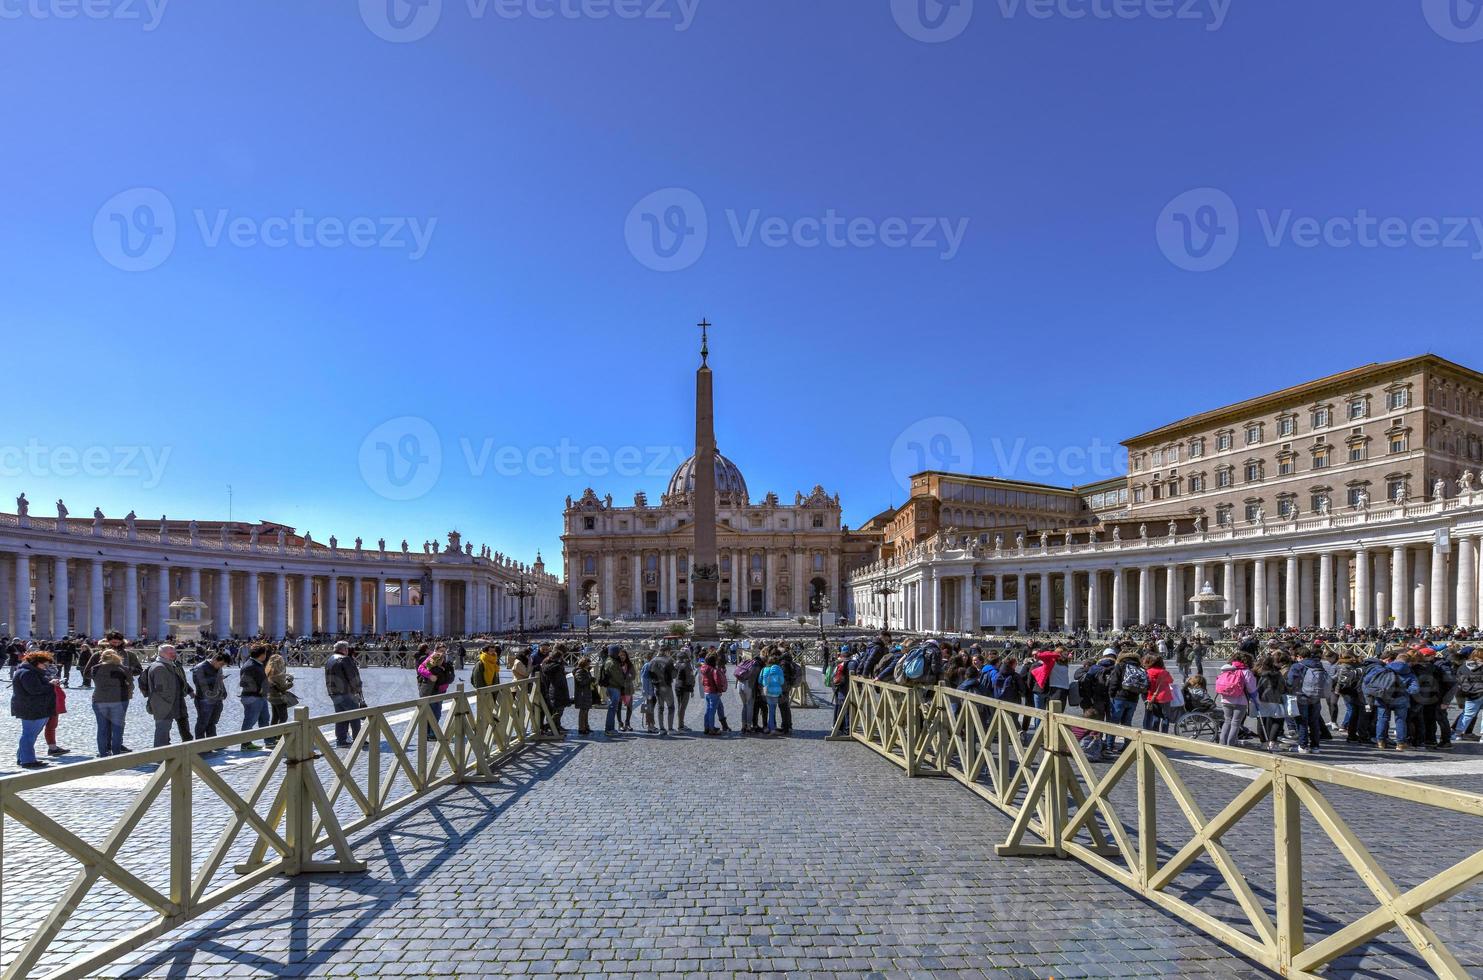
(817, 589)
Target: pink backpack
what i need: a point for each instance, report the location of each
(1231, 683)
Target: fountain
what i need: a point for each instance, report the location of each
(187, 619)
(1209, 615)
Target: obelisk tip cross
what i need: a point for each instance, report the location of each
(704, 340)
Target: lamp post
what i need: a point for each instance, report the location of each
(587, 605)
(885, 590)
(522, 591)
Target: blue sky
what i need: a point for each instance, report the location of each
(277, 245)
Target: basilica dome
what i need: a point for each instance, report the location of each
(729, 482)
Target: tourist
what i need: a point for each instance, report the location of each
(662, 683)
(713, 686)
(839, 682)
(554, 690)
(1308, 682)
(50, 731)
(584, 693)
(280, 692)
(113, 689)
(1159, 697)
(486, 667)
(773, 688)
(1236, 690)
(1090, 742)
(684, 686)
(646, 688)
(211, 693)
(1271, 692)
(610, 678)
(434, 675)
(66, 653)
(793, 675)
(33, 701)
(165, 689)
(1052, 676)
(1127, 683)
(1434, 685)
(520, 666)
(629, 675)
(1346, 679)
(745, 672)
(1470, 693)
(342, 684)
(252, 683)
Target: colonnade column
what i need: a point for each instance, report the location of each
(1326, 590)
(1343, 615)
(304, 621)
(1306, 614)
(131, 599)
(1292, 592)
(1145, 595)
(1362, 597)
(249, 603)
(468, 606)
(353, 600)
(1069, 588)
(1119, 598)
(380, 581)
(279, 606)
(1421, 589)
(1440, 579)
(1467, 583)
(1233, 590)
(223, 624)
(331, 611)
(193, 583)
(1259, 593)
(60, 621)
(1022, 599)
(7, 595)
(1172, 588)
(21, 628)
(1382, 582)
(43, 598)
(95, 600)
(1046, 623)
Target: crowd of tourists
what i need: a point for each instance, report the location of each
(1282, 690)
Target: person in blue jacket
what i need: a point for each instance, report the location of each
(32, 701)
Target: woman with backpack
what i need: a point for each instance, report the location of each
(1271, 692)
(1347, 677)
(433, 677)
(630, 683)
(1236, 691)
(746, 669)
(773, 687)
(713, 686)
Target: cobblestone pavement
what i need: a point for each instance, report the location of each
(694, 856)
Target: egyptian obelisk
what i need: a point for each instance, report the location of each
(705, 573)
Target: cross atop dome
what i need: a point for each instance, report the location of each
(705, 350)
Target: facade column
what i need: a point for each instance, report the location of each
(1022, 598)
(162, 600)
(1172, 589)
(1343, 613)
(96, 625)
(1326, 590)
(1119, 598)
(1068, 587)
(304, 622)
(1232, 590)
(1467, 583)
(1274, 592)
(7, 595)
(1421, 588)
(1259, 593)
(131, 599)
(1400, 589)
(969, 603)
(1301, 613)
(381, 625)
(1440, 578)
(1094, 600)
(469, 613)
(434, 603)
(279, 607)
(61, 624)
(193, 583)
(1363, 597)
(223, 624)
(250, 596)
(1145, 595)
(353, 604)
(43, 625)
(1381, 580)
(1046, 623)
(21, 628)
(331, 611)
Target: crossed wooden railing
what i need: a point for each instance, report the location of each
(283, 815)
(1045, 783)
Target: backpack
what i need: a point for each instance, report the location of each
(1311, 684)
(1347, 678)
(914, 665)
(772, 682)
(1134, 679)
(1428, 690)
(685, 678)
(1091, 686)
(1470, 682)
(1231, 684)
(1381, 684)
(1007, 686)
(986, 678)
(841, 673)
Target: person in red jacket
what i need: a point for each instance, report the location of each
(1160, 693)
(713, 686)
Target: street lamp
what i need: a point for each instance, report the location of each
(885, 590)
(587, 605)
(522, 591)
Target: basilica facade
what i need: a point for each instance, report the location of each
(775, 559)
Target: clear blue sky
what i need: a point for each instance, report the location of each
(533, 315)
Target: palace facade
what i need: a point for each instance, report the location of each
(1350, 500)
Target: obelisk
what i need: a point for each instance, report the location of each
(705, 573)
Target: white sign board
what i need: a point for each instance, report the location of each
(1003, 614)
(404, 619)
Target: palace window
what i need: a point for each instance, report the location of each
(1137, 495)
(1223, 515)
(1357, 409)
(651, 523)
(1223, 442)
(1357, 452)
(756, 522)
(1394, 488)
(1287, 425)
(1319, 501)
(1354, 496)
(1285, 505)
(1287, 464)
(1172, 488)
(1158, 457)
(1253, 434)
(1197, 484)
(1253, 471)
(1173, 455)
(1398, 399)
(1252, 507)
(818, 520)
(1321, 458)
(1399, 442)
(818, 562)
(1322, 418)
(589, 523)
(1196, 448)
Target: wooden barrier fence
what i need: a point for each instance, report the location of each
(1050, 790)
(300, 780)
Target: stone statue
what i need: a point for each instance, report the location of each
(1117, 534)
(1439, 489)
(308, 542)
(607, 501)
(282, 539)
(129, 519)
(1362, 498)
(252, 538)
(1403, 495)
(195, 531)
(1173, 528)
(468, 549)
(1019, 541)
(164, 529)
(1465, 482)
(1261, 514)
(357, 545)
(334, 543)
(1143, 531)
(1199, 523)
(22, 506)
(98, 521)
(1323, 505)
(61, 512)
(998, 542)
(381, 545)
(404, 546)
